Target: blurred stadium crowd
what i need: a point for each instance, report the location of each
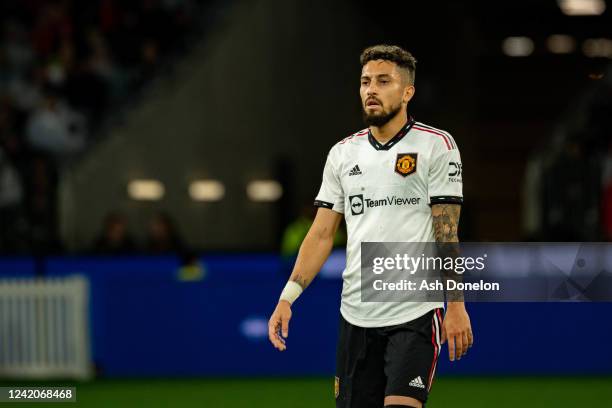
(569, 184)
(116, 239)
(66, 67)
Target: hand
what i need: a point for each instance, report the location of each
(279, 324)
(457, 328)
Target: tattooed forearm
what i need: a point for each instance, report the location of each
(446, 223)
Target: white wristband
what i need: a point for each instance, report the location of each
(291, 292)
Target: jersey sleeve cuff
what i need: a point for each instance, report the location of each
(445, 200)
(324, 204)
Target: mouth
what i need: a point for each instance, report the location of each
(371, 103)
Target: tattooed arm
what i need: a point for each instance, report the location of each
(314, 250)
(456, 326)
(316, 247)
(446, 223)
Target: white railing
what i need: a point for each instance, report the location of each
(44, 330)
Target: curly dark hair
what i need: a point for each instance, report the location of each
(392, 53)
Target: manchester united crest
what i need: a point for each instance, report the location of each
(406, 164)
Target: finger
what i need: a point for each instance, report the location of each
(277, 341)
(466, 342)
(273, 333)
(470, 338)
(459, 346)
(451, 348)
(285, 325)
(443, 335)
(274, 341)
(281, 342)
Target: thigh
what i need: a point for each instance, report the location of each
(360, 367)
(412, 354)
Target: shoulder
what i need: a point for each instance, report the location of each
(347, 143)
(437, 136)
(353, 138)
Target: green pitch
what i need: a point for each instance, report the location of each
(470, 392)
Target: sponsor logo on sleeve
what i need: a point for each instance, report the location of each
(454, 172)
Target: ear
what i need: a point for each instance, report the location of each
(408, 93)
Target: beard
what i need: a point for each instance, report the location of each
(381, 118)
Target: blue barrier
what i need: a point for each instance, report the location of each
(17, 268)
(145, 322)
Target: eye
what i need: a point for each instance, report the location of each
(364, 82)
(383, 81)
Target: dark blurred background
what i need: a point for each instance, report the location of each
(196, 131)
(221, 115)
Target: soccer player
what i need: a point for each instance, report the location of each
(387, 351)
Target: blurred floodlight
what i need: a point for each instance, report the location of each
(561, 44)
(517, 46)
(147, 190)
(582, 7)
(206, 190)
(596, 76)
(264, 190)
(597, 48)
(254, 328)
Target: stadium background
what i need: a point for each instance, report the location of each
(168, 151)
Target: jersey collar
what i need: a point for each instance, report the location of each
(391, 142)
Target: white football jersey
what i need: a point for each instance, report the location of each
(385, 192)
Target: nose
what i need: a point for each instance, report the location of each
(371, 90)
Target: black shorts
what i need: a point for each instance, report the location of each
(373, 363)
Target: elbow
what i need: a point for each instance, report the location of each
(322, 236)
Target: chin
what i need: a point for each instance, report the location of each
(376, 115)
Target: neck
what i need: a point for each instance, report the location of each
(385, 132)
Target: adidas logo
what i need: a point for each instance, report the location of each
(355, 171)
(417, 382)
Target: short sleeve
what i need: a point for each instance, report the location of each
(445, 176)
(330, 194)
